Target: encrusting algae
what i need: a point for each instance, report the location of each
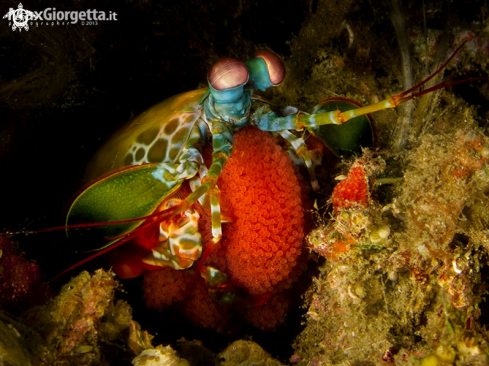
(403, 282)
(407, 291)
(246, 353)
(77, 324)
(83, 325)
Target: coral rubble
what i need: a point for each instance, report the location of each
(409, 293)
(243, 353)
(403, 278)
(81, 326)
(159, 356)
(69, 323)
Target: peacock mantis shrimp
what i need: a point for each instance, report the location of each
(138, 173)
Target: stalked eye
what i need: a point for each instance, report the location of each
(227, 73)
(275, 66)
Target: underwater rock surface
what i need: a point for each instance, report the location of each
(413, 295)
(246, 353)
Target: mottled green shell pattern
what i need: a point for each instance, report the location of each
(159, 134)
(146, 161)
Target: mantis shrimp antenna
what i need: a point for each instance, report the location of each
(399, 139)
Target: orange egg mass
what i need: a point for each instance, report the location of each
(262, 192)
(262, 195)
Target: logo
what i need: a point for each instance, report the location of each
(20, 17)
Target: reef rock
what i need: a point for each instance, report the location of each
(246, 353)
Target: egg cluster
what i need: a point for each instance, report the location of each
(271, 314)
(164, 287)
(200, 309)
(263, 195)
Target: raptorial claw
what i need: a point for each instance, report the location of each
(179, 242)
